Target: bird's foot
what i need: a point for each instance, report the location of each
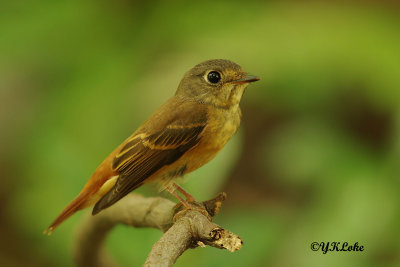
(183, 207)
(187, 204)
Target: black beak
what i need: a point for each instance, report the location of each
(247, 79)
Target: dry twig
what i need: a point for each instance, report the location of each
(182, 229)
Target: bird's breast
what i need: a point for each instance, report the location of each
(221, 126)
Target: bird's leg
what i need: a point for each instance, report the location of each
(188, 196)
(175, 194)
(190, 203)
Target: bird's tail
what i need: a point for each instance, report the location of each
(77, 204)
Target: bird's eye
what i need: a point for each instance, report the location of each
(213, 77)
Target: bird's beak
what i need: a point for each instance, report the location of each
(247, 79)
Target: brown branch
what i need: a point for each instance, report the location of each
(183, 229)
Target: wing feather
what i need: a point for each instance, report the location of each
(143, 155)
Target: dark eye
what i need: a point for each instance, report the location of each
(213, 77)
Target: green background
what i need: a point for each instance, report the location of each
(317, 157)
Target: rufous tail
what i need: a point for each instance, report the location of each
(71, 208)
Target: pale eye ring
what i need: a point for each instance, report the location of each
(213, 77)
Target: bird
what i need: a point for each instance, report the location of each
(179, 137)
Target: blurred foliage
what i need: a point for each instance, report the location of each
(77, 77)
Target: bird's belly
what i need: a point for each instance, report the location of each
(195, 159)
(214, 138)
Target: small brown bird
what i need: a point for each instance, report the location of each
(181, 136)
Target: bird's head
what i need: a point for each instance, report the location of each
(217, 82)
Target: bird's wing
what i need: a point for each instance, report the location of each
(146, 153)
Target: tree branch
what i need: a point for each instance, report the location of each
(182, 229)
